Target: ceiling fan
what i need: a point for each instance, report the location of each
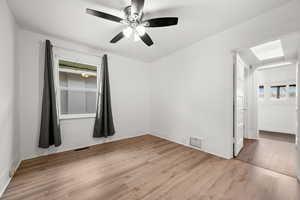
(135, 24)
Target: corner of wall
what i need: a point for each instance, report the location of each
(10, 151)
(5, 177)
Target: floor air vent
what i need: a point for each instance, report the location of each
(196, 142)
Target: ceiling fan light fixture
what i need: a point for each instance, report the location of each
(127, 31)
(136, 37)
(141, 30)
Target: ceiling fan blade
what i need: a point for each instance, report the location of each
(137, 6)
(103, 15)
(117, 38)
(147, 39)
(161, 22)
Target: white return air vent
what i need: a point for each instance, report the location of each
(196, 142)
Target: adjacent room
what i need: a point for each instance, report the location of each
(148, 100)
(270, 106)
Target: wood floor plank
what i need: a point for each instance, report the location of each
(146, 168)
(272, 151)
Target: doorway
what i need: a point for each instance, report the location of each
(265, 101)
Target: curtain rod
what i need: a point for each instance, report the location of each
(82, 52)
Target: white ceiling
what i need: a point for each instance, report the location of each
(198, 19)
(290, 46)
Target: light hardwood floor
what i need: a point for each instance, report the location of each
(146, 168)
(274, 151)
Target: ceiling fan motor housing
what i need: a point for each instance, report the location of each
(132, 18)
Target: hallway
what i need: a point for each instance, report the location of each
(274, 151)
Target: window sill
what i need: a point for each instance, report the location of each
(76, 116)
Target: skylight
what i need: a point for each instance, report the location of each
(268, 50)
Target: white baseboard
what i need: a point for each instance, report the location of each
(55, 150)
(251, 134)
(2, 190)
(187, 145)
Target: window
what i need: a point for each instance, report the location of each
(77, 89)
(261, 91)
(292, 90)
(278, 92)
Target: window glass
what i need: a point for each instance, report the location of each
(77, 102)
(278, 92)
(77, 81)
(78, 88)
(273, 92)
(282, 92)
(261, 91)
(292, 90)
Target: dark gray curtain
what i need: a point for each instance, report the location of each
(104, 125)
(50, 128)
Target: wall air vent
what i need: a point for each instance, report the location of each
(196, 142)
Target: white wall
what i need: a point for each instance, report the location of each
(192, 89)
(129, 91)
(9, 140)
(276, 115)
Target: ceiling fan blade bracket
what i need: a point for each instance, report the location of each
(145, 23)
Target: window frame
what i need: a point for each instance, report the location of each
(57, 69)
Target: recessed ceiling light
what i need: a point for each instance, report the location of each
(268, 50)
(275, 65)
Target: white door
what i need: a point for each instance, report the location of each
(239, 104)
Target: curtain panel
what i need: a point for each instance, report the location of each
(104, 125)
(50, 127)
